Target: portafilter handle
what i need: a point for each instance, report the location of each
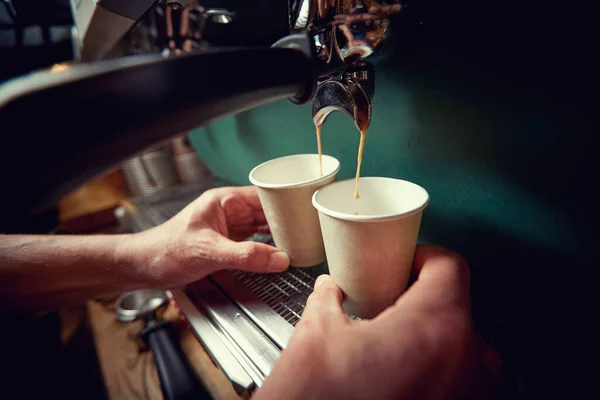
(176, 377)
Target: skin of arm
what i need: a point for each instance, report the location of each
(43, 272)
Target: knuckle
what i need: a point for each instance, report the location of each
(321, 302)
(312, 324)
(305, 322)
(455, 264)
(328, 289)
(248, 254)
(325, 290)
(458, 260)
(449, 255)
(461, 267)
(212, 195)
(312, 301)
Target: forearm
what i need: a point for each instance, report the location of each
(45, 272)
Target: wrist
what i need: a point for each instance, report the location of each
(135, 257)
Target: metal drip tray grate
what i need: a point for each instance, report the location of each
(286, 293)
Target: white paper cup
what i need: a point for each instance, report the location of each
(285, 187)
(370, 254)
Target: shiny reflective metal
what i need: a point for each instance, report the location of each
(256, 352)
(219, 15)
(139, 304)
(345, 33)
(215, 342)
(10, 9)
(276, 326)
(344, 30)
(346, 93)
(175, 27)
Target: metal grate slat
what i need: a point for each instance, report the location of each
(286, 292)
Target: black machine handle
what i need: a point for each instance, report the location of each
(59, 130)
(176, 378)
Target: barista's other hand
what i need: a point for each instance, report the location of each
(422, 347)
(207, 236)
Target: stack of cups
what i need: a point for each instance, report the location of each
(369, 243)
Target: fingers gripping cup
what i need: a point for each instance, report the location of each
(285, 188)
(370, 241)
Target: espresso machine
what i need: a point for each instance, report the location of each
(146, 71)
(154, 83)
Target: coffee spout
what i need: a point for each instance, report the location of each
(351, 93)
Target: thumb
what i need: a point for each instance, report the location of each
(326, 298)
(249, 256)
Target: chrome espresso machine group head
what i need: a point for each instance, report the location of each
(339, 36)
(345, 34)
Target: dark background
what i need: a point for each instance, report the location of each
(492, 107)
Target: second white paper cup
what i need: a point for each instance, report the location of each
(285, 187)
(370, 242)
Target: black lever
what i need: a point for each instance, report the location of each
(176, 378)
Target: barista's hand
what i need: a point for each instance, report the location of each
(207, 236)
(423, 347)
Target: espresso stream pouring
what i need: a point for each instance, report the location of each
(349, 96)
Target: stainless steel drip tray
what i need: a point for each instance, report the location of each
(253, 316)
(275, 302)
